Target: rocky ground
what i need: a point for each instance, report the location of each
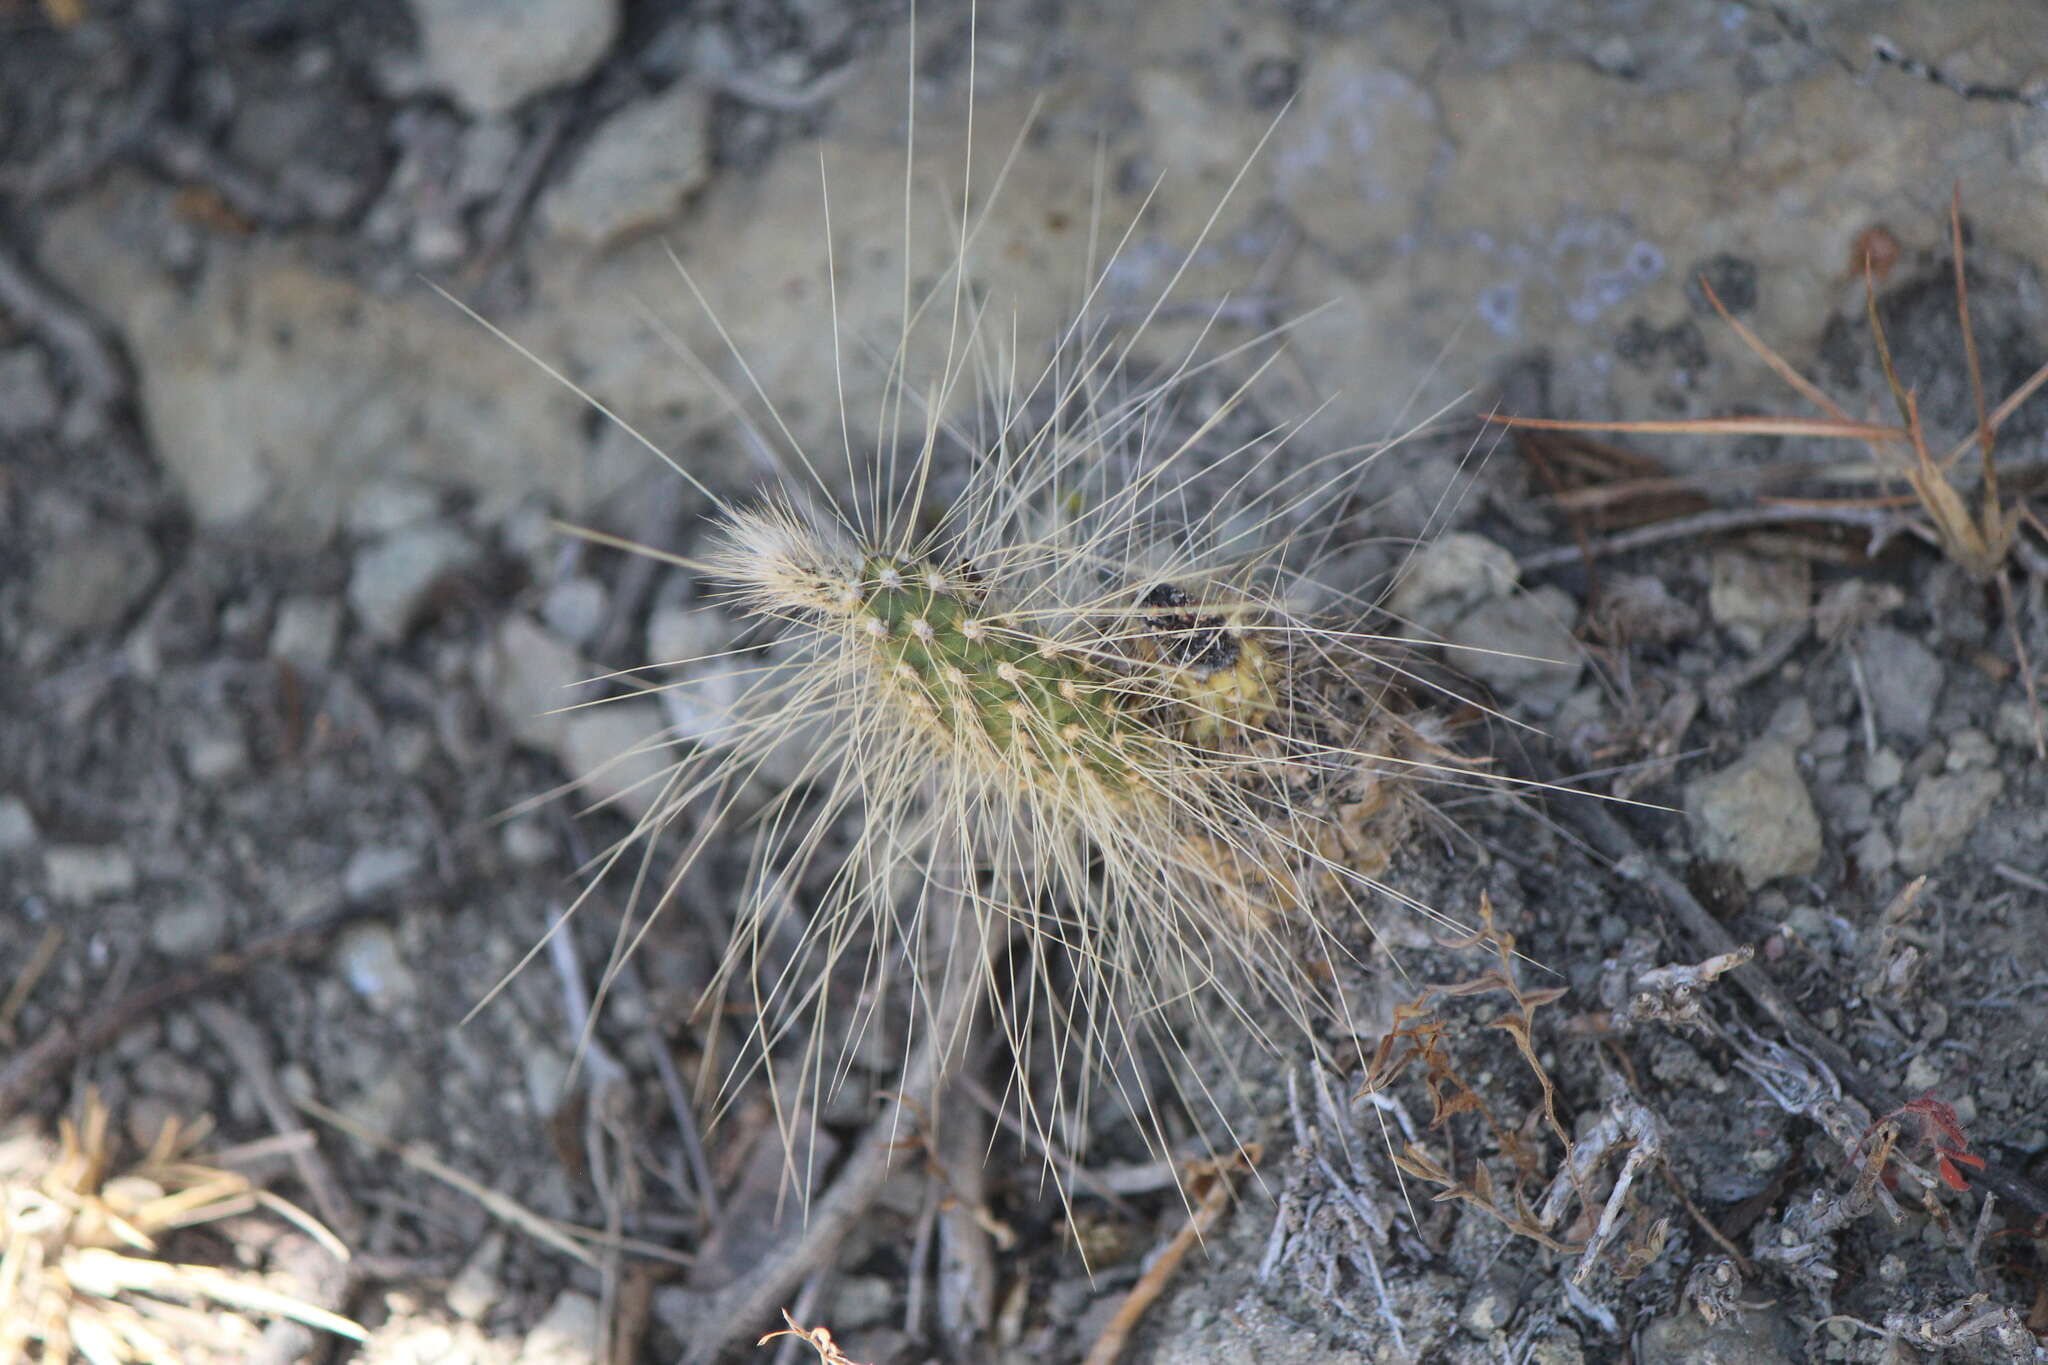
(283, 612)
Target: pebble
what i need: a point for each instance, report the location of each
(387, 505)
(1970, 748)
(637, 170)
(1449, 576)
(476, 1287)
(1875, 853)
(492, 57)
(862, 1300)
(1522, 647)
(1884, 770)
(2015, 724)
(1749, 596)
(526, 842)
(1903, 680)
(525, 674)
(1488, 1310)
(82, 873)
(214, 756)
(1792, 722)
(682, 635)
(1560, 1346)
(574, 609)
(615, 752)
(191, 930)
(370, 962)
(28, 400)
(566, 1334)
(92, 580)
(1941, 813)
(547, 1078)
(1923, 1074)
(18, 831)
(394, 577)
(1757, 815)
(1757, 1336)
(372, 872)
(305, 632)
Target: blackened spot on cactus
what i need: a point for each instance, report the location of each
(1186, 639)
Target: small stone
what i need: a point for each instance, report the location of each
(1749, 1336)
(305, 632)
(91, 581)
(191, 930)
(526, 675)
(1750, 596)
(2015, 724)
(615, 752)
(1522, 647)
(682, 635)
(394, 578)
(547, 1078)
(476, 1287)
(1614, 55)
(574, 609)
(372, 872)
(1756, 815)
(28, 400)
(1884, 770)
(82, 873)
(1922, 1074)
(491, 57)
(373, 967)
(18, 831)
(566, 1334)
(1940, 814)
(1874, 853)
(862, 1300)
(526, 842)
(1970, 748)
(216, 756)
(1903, 680)
(1488, 1310)
(1792, 722)
(637, 170)
(1559, 1346)
(1828, 742)
(388, 505)
(1448, 576)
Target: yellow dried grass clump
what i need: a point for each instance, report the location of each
(80, 1276)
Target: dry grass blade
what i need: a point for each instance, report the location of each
(1843, 428)
(1109, 1346)
(1955, 227)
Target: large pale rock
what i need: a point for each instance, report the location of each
(1756, 815)
(491, 56)
(637, 170)
(1940, 814)
(274, 390)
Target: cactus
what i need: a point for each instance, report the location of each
(1054, 694)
